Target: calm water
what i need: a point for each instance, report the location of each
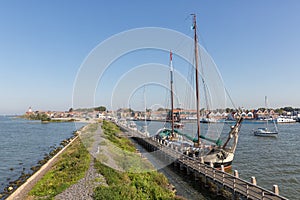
(270, 160)
(23, 143)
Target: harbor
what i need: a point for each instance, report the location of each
(267, 162)
(123, 101)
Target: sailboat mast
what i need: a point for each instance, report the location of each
(268, 116)
(197, 79)
(145, 110)
(172, 98)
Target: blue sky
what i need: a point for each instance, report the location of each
(255, 45)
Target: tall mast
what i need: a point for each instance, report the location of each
(197, 79)
(268, 116)
(145, 110)
(172, 99)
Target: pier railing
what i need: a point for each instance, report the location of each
(231, 182)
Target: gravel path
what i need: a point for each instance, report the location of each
(84, 188)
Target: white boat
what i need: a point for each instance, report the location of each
(217, 153)
(208, 120)
(266, 132)
(285, 120)
(132, 125)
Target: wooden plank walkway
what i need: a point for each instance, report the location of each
(234, 184)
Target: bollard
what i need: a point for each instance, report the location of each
(236, 173)
(253, 180)
(176, 148)
(222, 168)
(202, 160)
(276, 189)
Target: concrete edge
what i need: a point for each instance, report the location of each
(23, 190)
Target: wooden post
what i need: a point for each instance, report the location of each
(223, 174)
(202, 160)
(247, 191)
(196, 176)
(188, 172)
(175, 163)
(253, 180)
(222, 168)
(276, 189)
(236, 173)
(211, 164)
(181, 166)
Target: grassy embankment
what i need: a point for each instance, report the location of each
(130, 185)
(74, 162)
(70, 167)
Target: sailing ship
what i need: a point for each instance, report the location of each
(266, 132)
(145, 127)
(218, 154)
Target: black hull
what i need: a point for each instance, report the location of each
(218, 165)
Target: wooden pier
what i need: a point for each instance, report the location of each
(208, 175)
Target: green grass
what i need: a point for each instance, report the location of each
(111, 131)
(74, 162)
(129, 185)
(126, 185)
(122, 150)
(70, 168)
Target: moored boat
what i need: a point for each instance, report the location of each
(266, 132)
(132, 125)
(285, 120)
(214, 153)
